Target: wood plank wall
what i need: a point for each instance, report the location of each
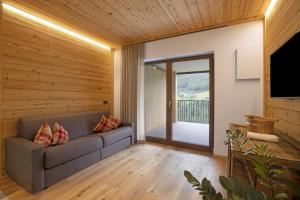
(281, 25)
(0, 87)
(46, 73)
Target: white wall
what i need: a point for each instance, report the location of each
(233, 98)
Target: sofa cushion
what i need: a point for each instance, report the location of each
(115, 135)
(44, 135)
(57, 155)
(60, 135)
(101, 124)
(90, 119)
(115, 121)
(77, 124)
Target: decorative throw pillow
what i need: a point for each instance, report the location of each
(44, 135)
(109, 125)
(114, 121)
(60, 135)
(101, 124)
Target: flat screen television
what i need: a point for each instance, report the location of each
(285, 69)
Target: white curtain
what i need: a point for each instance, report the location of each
(132, 96)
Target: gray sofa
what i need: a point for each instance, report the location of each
(35, 167)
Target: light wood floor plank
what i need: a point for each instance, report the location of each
(142, 172)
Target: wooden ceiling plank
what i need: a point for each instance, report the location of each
(195, 13)
(172, 13)
(148, 17)
(227, 10)
(168, 16)
(118, 19)
(235, 6)
(126, 10)
(205, 13)
(119, 22)
(89, 12)
(69, 20)
(264, 7)
(252, 7)
(216, 10)
(256, 7)
(183, 14)
(102, 14)
(243, 4)
(157, 9)
(211, 11)
(153, 17)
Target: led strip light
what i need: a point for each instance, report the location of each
(270, 7)
(52, 25)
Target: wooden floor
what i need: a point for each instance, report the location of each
(142, 172)
(187, 132)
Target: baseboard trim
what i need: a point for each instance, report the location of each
(141, 141)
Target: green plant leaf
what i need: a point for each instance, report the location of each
(239, 189)
(281, 195)
(264, 183)
(276, 171)
(191, 179)
(279, 186)
(295, 171)
(225, 182)
(260, 171)
(248, 151)
(253, 193)
(244, 142)
(295, 188)
(269, 175)
(206, 189)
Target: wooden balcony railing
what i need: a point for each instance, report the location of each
(196, 111)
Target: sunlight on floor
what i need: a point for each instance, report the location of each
(194, 133)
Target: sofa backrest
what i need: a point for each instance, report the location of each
(77, 124)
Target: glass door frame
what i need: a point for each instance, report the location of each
(169, 111)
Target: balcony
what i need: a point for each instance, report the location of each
(191, 124)
(193, 111)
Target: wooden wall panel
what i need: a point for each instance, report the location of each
(46, 73)
(1, 87)
(281, 25)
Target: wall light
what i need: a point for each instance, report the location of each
(270, 7)
(52, 25)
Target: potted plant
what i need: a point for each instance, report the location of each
(268, 174)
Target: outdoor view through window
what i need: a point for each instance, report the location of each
(193, 97)
(185, 101)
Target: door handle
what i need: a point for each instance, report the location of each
(169, 104)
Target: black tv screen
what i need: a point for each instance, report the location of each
(285, 69)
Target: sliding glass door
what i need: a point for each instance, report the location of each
(155, 84)
(179, 102)
(191, 94)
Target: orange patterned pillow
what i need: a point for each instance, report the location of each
(44, 135)
(60, 135)
(101, 124)
(109, 125)
(114, 121)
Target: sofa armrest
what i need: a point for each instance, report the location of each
(25, 163)
(126, 123)
(130, 124)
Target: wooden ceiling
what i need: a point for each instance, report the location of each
(121, 22)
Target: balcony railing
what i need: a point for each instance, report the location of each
(196, 111)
